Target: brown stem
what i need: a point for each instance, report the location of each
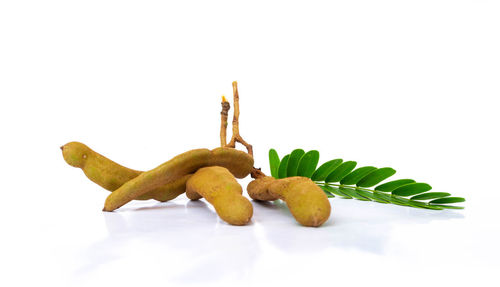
(223, 121)
(257, 173)
(236, 127)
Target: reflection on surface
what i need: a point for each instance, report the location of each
(192, 230)
(353, 224)
(185, 241)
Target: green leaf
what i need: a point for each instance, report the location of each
(336, 191)
(341, 171)
(357, 175)
(447, 200)
(411, 189)
(343, 180)
(392, 185)
(376, 177)
(353, 193)
(293, 162)
(274, 162)
(430, 195)
(308, 163)
(283, 166)
(322, 172)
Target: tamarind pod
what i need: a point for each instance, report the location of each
(219, 187)
(239, 163)
(308, 204)
(111, 175)
(259, 189)
(170, 190)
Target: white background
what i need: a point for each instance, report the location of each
(409, 84)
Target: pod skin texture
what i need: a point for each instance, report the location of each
(110, 175)
(219, 187)
(307, 202)
(239, 163)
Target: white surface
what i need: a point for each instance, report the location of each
(407, 84)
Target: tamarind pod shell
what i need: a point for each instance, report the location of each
(219, 187)
(306, 201)
(111, 175)
(259, 189)
(170, 190)
(237, 162)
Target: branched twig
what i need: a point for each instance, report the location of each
(236, 137)
(236, 128)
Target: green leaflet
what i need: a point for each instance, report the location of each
(448, 206)
(336, 191)
(430, 195)
(283, 166)
(353, 193)
(371, 196)
(412, 189)
(327, 192)
(293, 162)
(392, 185)
(338, 178)
(322, 172)
(421, 204)
(308, 163)
(403, 201)
(447, 200)
(341, 171)
(376, 177)
(274, 162)
(357, 175)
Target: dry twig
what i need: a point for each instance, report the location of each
(236, 137)
(223, 121)
(236, 127)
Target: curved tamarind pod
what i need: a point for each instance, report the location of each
(170, 190)
(110, 175)
(258, 189)
(239, 163)
(219, 187)
(307, 202)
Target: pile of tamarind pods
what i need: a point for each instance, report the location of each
(201, 173)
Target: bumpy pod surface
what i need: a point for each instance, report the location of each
(239, 163)
(219, 187)
(307, 202)
(111, 175)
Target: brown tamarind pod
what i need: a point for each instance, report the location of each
(110, 175)
(239, 163)
(219, 187)
(307, 202)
